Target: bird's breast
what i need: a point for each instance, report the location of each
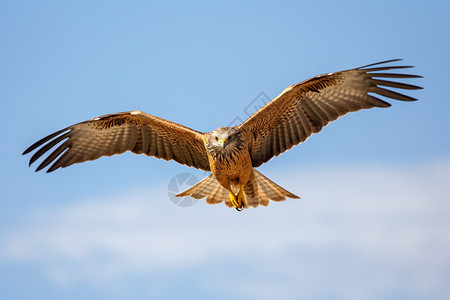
(231, 165)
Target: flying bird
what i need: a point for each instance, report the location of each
(231, 154)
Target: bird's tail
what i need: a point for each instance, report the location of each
(209, 188)
(258, 191)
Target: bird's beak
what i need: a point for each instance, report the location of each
(223, 142)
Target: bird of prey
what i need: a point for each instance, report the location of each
(231, 154)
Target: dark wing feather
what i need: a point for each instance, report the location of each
(306, 107)
(116, 133)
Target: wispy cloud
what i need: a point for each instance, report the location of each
(357, 233)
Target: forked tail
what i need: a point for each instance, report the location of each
(258, 191)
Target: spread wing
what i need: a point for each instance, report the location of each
(305, 108)
(116, 133)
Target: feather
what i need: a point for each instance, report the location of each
(318, 101)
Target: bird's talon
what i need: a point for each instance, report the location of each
(236, 202)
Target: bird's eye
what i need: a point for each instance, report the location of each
(230, 137)
(216, 138)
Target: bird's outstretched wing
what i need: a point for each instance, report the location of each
(306, 107)
(116, 133)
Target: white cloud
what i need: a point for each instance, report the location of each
(357, 233)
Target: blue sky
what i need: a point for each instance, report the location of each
(373, 220)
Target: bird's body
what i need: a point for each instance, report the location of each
(231, 165)
(232, 169)
(230, 160)
(230, 153)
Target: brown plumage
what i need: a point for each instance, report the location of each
(230, 153)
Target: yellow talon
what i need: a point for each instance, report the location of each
(239, 200)
(233, 200)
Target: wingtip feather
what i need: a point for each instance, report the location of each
(381, 62)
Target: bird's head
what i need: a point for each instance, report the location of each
(224, 140)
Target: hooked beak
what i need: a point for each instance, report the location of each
(223, 142)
